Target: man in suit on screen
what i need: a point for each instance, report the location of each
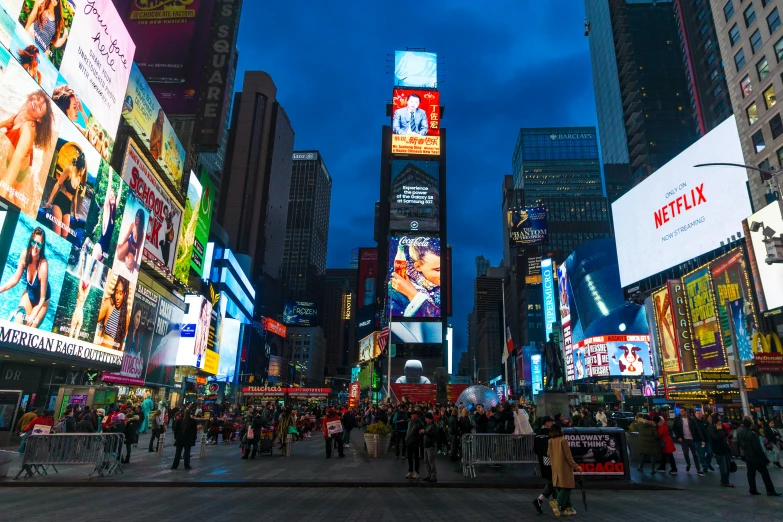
(410, 119)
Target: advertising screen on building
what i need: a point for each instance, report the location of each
(300, 313)
(187, 235)
(366, 346)
(537, 374)
(667, 337)
(165, 344)
(768, 278)
(548, 287)
(87, 55)
(416, 332)
(414, 274)
(527, 225)
(682, 330)
(731, 282)
(143, 112)
(703, 316)
(612, 356)
(165, 212)
(416, 122)
(415, 69)
(270, 325)
(681, 211)
(596, 306)
(368, 277)
(415, 196)
(203, 221)
(195, 332)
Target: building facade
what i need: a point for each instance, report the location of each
(338, 310)
(752, 49)
(307, 228)
(307, 351)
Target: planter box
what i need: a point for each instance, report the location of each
(377, 444)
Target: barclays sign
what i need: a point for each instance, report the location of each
(555, 137)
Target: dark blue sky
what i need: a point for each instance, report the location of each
(504, 66)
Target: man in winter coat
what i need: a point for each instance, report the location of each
(332, 416)
(755, 458)
(540, 448)
(400, 421)
(480, 419)
(185, 433)
(430, 447)
(412, 442)
(254, 423)
(349, 422)
(704, 450)
(649, 444)
(688, 434)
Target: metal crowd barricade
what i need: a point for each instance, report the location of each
(100, 450)
(491, 448)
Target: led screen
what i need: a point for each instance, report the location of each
(368, 277)
(165, 344)
(612, 356)
(195, 332)
(416, 332)
(203, 218)
(415, 196)
(414, 275)
(415, 69)
(703, 317)
(416, 122)
(300, 313)
(680, 211)
(527, 225)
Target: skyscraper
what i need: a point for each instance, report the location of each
(338, 319)
(253, 205)
(307, 228)
(640, 88)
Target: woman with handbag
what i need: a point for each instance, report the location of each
(722, 452)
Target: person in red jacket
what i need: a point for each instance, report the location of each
(46, 419)
(668, 445)
(331, 416)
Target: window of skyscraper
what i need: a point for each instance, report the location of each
(750, 15)
(755, 41)
(745, 86)
(758, 141)
(769, 97)
(753, 114)
(734, 34)
(776, 126)
(764, 3)
(739, 59)
(779, 50)
(766, 165)
(780, 156)
(773, 20)
(728, 10)
(762, 67)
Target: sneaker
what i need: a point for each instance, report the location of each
(537, 505)
(409, 475)
(774, 494)
(672, 472)
(555, 507)
(700, 473)
(415, 475)
(569, 512)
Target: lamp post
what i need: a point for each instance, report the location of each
(766, 175)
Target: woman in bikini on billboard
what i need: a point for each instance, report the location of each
(64, 200)
(130, 244)
(46, 25)
(33, 265)
(113, 317)
(32, 126)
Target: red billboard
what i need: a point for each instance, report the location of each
(368, 276)
(270, 325)
(416, 122)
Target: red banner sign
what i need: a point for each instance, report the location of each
(769, 362)
(415, 392)
(354, 395)
(270, 325)
(453, 391)
(277, 391)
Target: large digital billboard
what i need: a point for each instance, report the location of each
(142, 111)
(592, 305)
(731, 282)
(682, 330)
(165, 344)
(195, 333)
(548, 287)
(612, 356)
(300, 313)
(415, 69)
(368, 277)
(416, 122)
(667, 337)
(415, 332)
(186, 248)
(414, 275)
(680, 211)
(415, 196)
(527, 225)
(703, 317)
(768, 277)
(81, 46)
(203, 221)
(165, 213)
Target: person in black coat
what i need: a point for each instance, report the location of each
(131, 435)
(185, 433)
(755, 458)
(716, 436)
(541, 449)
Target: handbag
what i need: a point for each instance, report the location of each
(732, 465)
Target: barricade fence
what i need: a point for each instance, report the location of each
(491, 448)
(102, 451)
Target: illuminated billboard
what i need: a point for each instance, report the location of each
(415, 196)
(142, 111)
(270, 325)
(667, 337)
(203, 222)
(527, 225)
(300, 313)
(414, 275)
(768, 277)
(681, 212)
(366, 348)
(731, 282)
(165, 212)
(612, 356)
(195, 333)
(703, 316)
(192, 244)
(83, 48)
(165, 344)
(415, 69)
(415, 332)
(368, 277)
(416, 122)
(592, 306)
(548, 287)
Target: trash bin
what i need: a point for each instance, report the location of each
(6, 459)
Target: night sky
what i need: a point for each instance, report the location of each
(510, 65)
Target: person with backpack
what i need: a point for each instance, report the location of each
(252, 436)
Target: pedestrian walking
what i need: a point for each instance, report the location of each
(156, 425)
(333, 433)
(430, 433)
(541, 449)
(773, 441)
(705, 448)
(720, 448)
(400, 422)
(349, 422)
(667, 446)
(649, 442)
(131, 435)
(563, 467)
(412, 441)
(755, 458)
(185, 434)
(689, 436)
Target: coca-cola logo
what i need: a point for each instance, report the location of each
(415, 241)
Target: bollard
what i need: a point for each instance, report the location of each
(161, 440)
(203, 452)
(289, 441)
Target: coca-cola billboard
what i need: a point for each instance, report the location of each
(414, 275)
